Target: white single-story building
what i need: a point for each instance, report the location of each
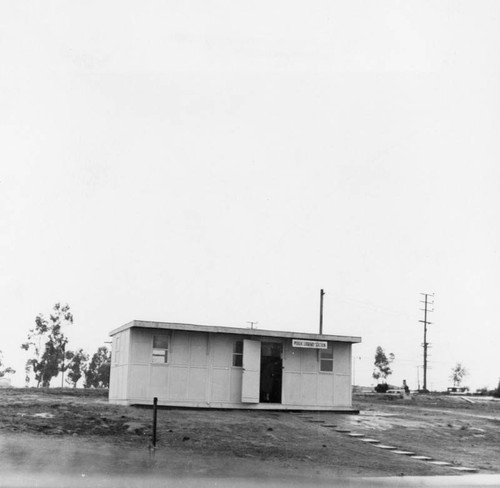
(186, 365)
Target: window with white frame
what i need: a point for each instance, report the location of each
(326, 359)
(238, 353)
(160, 349)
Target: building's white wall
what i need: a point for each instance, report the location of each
(304, 384)
(342, 364)
(118, 380)
(199, 372)
(141, 344)
(225, 384)
(199, 368)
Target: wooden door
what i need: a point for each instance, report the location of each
(250, 388)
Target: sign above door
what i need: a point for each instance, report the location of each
(309, 344)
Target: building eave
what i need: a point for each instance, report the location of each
(142, 324)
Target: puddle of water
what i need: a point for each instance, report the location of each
(375, 413)
(382, 421)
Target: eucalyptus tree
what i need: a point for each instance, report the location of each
(47, 345)
(382, 365)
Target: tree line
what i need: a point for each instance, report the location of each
(47, 345)
(4, 370)
(383, 370)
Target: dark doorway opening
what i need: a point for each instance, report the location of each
(271, 372)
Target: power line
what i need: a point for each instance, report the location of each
(375, 308)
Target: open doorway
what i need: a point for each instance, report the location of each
(271, 372)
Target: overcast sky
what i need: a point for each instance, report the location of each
(218, 162)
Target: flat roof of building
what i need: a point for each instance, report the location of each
(233, 330)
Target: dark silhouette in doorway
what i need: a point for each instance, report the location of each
(270, 380)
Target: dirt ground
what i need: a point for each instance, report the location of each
(77, 430)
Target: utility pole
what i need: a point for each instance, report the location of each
(321, 295)
(427, 302)
(251, 323)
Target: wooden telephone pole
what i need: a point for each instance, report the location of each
(425, 345)
(321, 295)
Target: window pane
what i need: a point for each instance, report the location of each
(326, 365)
(327, 353)
(237, 360)
(238, 347)
(157, 358)
(160, 342)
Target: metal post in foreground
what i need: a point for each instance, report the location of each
(155, 410)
